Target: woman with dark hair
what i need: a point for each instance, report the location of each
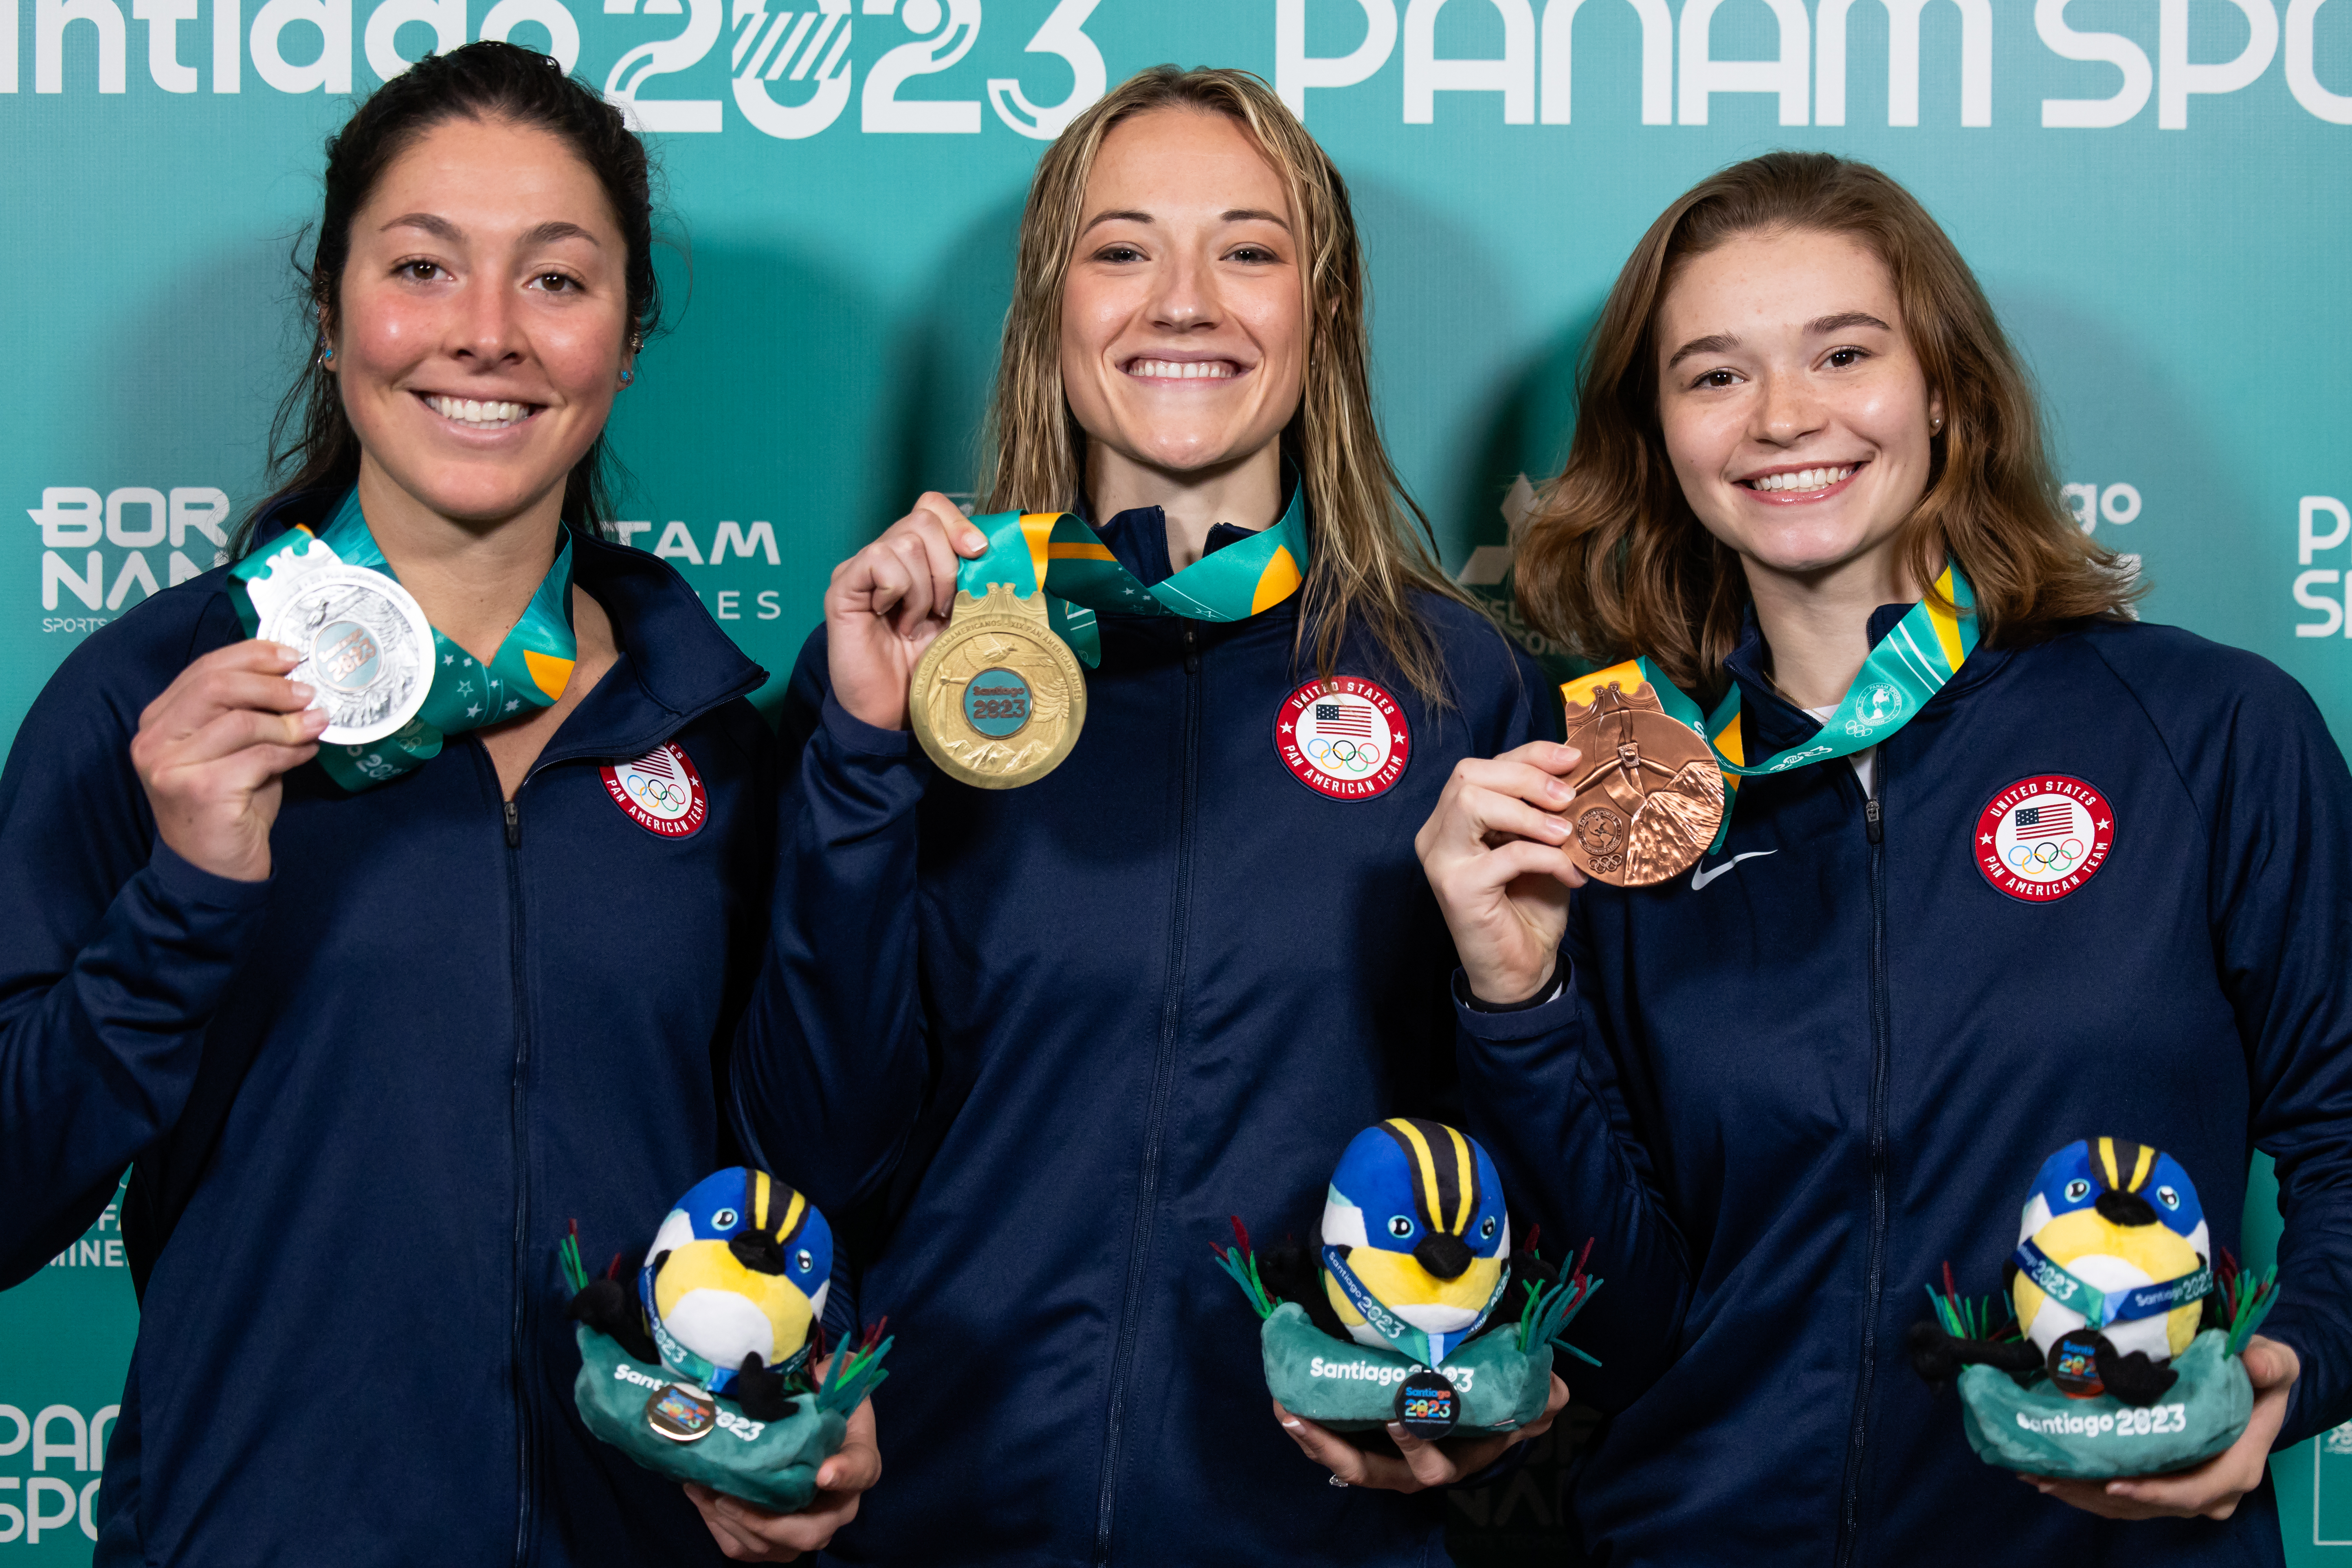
(2005, 869)
(377, 1013)
(1040, 1042)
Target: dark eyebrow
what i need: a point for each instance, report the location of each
(1116, 216)
(442, 228)
(1258, 214)
(555, 229)
(1714, 344)
(1845, 319)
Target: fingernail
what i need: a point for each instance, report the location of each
(974, 541)
(303, 692)
(1293, 1426)
(1558, 790)
(294, 655)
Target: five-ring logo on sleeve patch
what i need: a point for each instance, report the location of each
(1345, 738)
(2044, 836)
(660, 791)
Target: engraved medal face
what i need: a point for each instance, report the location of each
(1650, 797)
(998, 699)
(366, 649)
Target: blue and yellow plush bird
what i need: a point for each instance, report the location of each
(1416, 1246)
(2112, 1270)
(737, 1274)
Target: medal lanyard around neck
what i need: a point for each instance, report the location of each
(1908, 665)
(1081, 576)
(530, 669)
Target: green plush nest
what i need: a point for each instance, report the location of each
(2042, 1432)
(770, 1463)
(1351, 1387)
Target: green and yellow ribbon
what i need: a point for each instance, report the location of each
(1082, 578)
(530, 670)
(1908, 665)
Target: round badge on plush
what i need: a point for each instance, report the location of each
(1407, 1311)
(2116, 1350)
(699, 1369)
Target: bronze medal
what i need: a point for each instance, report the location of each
(998, 698)
(1651, 797)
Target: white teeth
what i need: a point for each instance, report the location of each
(487, 415)
(1803, 480)
(1181, 370)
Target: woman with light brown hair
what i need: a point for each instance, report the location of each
(2004, 868)
(1033, 1046)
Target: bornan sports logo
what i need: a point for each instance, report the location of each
(1344, 737)
(660, 791)
(2044, 836)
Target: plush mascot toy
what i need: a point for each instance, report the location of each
(2122, 1357)
(701, 1372)
(1406, 1314)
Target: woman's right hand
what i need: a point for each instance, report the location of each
(212, 751)
(888, 601)
(1493, 853)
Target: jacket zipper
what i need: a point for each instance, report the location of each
(1163, 1072)
(1873, 816)
(519, 1350)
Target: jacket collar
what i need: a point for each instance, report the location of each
(1773, 724)
(675, 662)
(1137, 537)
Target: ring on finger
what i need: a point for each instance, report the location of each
(1334, 1480)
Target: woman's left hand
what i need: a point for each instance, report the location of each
(1423, 1465)
(2212, 1488)
(747, 1532)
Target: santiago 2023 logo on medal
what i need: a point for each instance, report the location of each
(1346, 738)
(660, 791)
(2044, 836)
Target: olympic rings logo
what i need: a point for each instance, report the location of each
(1353, 757)
(2049, 858)
(661, 795)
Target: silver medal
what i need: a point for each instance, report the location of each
(365, 646)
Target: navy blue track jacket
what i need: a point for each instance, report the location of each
(1786, 1087)
(466, 1029)
(1037, 1044)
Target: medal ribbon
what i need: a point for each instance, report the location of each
(530, 670)
(1908, 665)
(2100, 1308)
(1081, 577)
(1414, 1344)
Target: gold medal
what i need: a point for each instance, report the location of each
(1650, 798)
(998, 698)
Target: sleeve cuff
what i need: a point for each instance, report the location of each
(857, 737)
(188, 884)
(1550, 992)
(1548, 1011)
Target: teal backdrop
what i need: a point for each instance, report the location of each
(2154, 192)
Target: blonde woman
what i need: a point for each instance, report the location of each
(1034, 1045)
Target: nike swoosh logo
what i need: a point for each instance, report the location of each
(1701, 877)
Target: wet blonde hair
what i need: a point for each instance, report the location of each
(1370, 545)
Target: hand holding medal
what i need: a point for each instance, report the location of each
(212, 751)
(886, 603)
